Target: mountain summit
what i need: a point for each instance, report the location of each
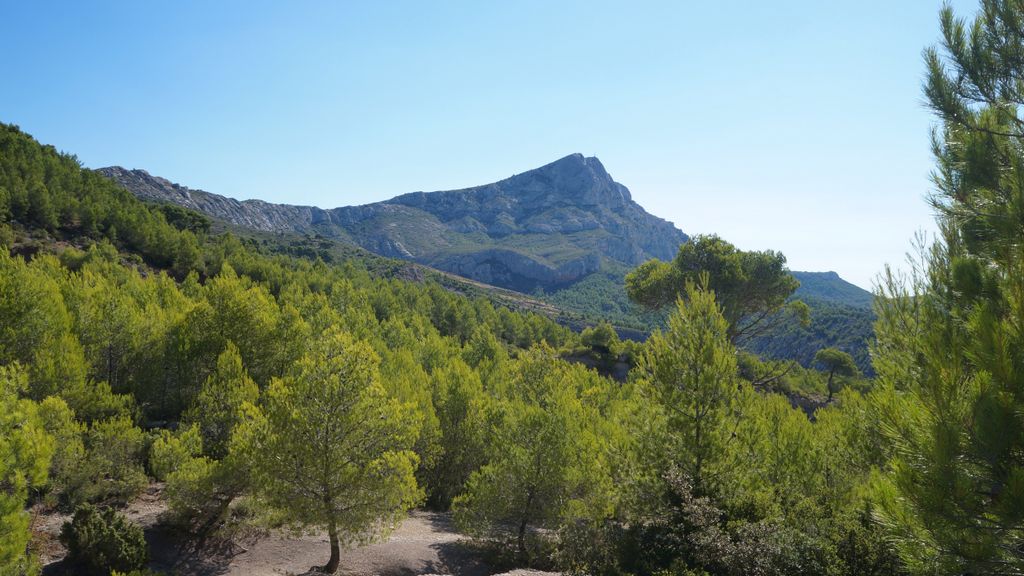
(546, 227)
(573, 181)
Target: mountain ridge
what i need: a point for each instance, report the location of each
(543, 228)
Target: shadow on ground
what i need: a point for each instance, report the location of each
(426, 544)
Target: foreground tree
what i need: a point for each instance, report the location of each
(751, 287)
(834, 362)
(548, 465)
(332, 450)
(733, 477)
(690, 372)
(25, 452)
(950, 350)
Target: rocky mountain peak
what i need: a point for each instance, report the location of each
(579, 167)
(545, 227)
(576, 178)
(576, 167)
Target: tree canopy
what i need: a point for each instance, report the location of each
(333, 450)
(835, 363)
(751, 287)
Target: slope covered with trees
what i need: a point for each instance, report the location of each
(840, 316)
(281, 391)
(108, 336)
(830, 325)
(829, 286)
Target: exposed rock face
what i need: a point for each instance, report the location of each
(572, 195)
(547, 227)
(255, 214)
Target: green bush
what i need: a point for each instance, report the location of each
(112, 469)
(169, 451)
(101, 541)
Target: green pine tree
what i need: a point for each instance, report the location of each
(950, 351)
(218, 406)
(333, 450)
(25, 453)
(690, 372)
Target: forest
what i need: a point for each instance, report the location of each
(263, 387)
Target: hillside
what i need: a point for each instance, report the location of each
(539, 230)
(848, 328)
(841, 317)
(828, 286)
(169, 383)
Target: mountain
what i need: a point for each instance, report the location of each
(829, 287)
(540, 230)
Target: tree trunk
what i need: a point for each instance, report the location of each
(332, 564)
(698, 468)
(522, 541)
(830, 375)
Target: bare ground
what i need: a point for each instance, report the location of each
(425, 543)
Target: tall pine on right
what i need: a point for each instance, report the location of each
(950, 337)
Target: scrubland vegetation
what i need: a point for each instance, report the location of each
(280, 391)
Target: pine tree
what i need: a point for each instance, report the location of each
(218, 406)
(751, 287)
(547, 466)
(950, 351)
(462, 405)
(25, 453)
(334, 451)
(690, 371)
(835, 362)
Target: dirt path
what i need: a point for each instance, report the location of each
(425, 543)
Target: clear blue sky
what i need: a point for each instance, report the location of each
(792, 125)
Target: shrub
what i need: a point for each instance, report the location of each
(189, 489)
(101, 541)
(170, 451)
(69, 456)
(112, 469)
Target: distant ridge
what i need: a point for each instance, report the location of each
(542, 229)
(828, 286)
